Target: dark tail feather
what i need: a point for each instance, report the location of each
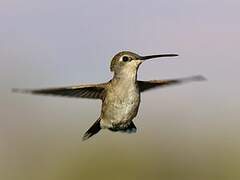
(94, 129)
(130, 128)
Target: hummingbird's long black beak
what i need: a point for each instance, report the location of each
(157, 56)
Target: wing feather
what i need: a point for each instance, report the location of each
(146, 85)
(92, 91)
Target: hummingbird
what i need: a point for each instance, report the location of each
(120, 96)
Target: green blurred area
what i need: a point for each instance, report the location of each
(51, 147)
(116, 159)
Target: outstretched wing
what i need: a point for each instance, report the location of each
(92, 91)
(146, 85)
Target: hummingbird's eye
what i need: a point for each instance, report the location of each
(125, 58)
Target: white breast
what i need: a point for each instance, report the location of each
(121, 104)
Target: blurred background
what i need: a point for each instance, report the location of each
(184, 132)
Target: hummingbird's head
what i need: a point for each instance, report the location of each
(130, 61)
(125, 59)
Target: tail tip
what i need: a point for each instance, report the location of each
(94, 129)
(86, 136)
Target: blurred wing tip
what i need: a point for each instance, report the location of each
(16, 90)
(194, 78)
(199, 78)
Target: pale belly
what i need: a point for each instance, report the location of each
(120, 108)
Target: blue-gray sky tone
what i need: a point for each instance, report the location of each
(184, 132)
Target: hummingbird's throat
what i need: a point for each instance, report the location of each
(129, 75)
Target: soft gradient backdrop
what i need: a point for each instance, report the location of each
(185, 132)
